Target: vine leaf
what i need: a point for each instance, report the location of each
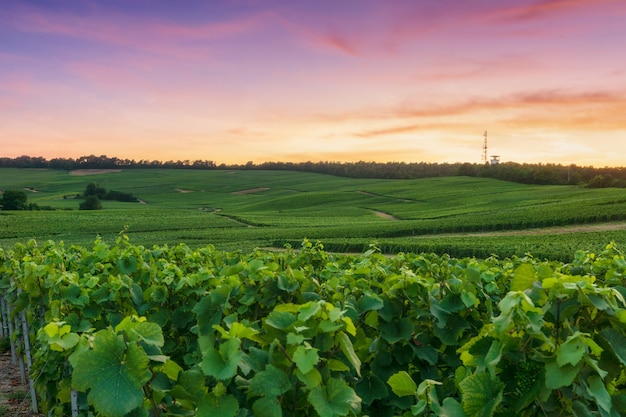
(348, 350)
(334, 399)
(617, 341)
(211, 406)
(305, 359)
(267, 407)
(371, 388)
(597, 389)
(523, 277)
(222, 364)
(402, 384)
(571, 352)
(560, 376)
(481, 393)
(271, 382)
(114, 374)
(451, 408)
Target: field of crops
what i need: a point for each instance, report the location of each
(174, 306)
(124, 330)
(248, 209)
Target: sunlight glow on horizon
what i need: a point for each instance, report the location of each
(360, 80)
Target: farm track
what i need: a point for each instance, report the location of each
(14, 396)
(557, 230)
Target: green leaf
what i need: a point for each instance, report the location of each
(469, 299)
(451, 408)
(171, 369)
(371, 388)
(617, 341)
(402, 384)
(305, 359)
(481, 393)
(211, 406)
(334, 399)
(271, 382)
(311, 379)
(114, 374)
(348, 350)
(571, 351)
(190, 385)
(149, 333)
(267, 407)
(280, 320)
(222, 364)
(597, 389)
(560, 376)
(523, 277)
(369, 302)
(396, 330)
(308, 310)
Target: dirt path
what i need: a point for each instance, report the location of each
(384, 215)
(83, 172)
(14, 396)
(250, 191)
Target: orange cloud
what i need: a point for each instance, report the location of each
(593, 110)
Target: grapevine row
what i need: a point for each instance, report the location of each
(126, 330)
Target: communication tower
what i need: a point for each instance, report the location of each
(485, 148)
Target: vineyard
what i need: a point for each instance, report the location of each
(244, 210)
(126, 330)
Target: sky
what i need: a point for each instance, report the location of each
(234, 81)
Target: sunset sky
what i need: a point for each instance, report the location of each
(331, 80)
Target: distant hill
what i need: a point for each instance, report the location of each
(547, 174)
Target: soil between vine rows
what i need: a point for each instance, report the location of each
(14, 396)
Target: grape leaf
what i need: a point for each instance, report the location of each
(305, 359)
(334, 399)
(402, 384)
(113, 373)
(271, 382)
(222, 363)
(211, 406)
(481, 393)
(267, 407)
(523, 277)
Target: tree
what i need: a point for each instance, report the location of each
(93, 189)
(14, 200)
(91, 203)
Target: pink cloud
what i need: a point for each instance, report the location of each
(160, 37)
(545, 8)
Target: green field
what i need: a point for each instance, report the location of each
(243, 210)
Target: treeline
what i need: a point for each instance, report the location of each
(555, 174)
(94, 193)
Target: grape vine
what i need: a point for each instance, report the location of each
(126, 330)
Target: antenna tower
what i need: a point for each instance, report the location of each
(485, 149)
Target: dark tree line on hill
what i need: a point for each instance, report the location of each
(555, 174)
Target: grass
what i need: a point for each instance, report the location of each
(248, 209)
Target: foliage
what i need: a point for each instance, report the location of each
(91, 203)
(434, 215)
(93, 189)
(201, 332)
(14, 200)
